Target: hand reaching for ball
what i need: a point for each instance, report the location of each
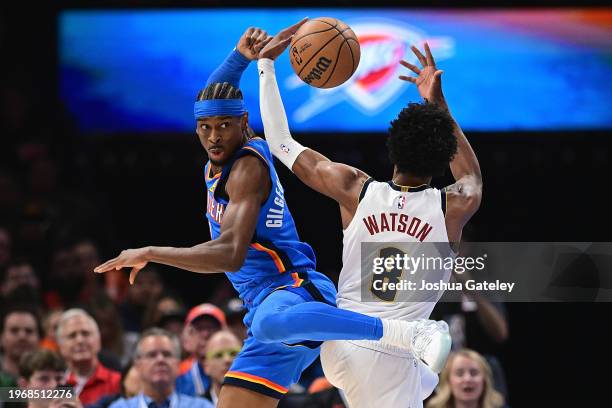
(252, 41)
(428, 80)
(280, 41)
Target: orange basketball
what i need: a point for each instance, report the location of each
(324, 52)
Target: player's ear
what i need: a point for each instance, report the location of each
(244, 121)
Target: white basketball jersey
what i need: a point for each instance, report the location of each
(389, 213)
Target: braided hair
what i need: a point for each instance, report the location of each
(224, 90)
(219, 90)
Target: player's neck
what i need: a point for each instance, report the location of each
(409, 180)
(215, 169)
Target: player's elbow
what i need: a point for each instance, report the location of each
(235, 257)
(472, 193)
(474, 200)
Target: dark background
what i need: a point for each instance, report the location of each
(148, 190)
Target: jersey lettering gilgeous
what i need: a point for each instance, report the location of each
(275, 251)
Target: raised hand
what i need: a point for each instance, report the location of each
(134, 258)
(252, 41)
(428, 81)
(280, 41)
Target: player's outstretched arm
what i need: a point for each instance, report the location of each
(248, 186)
(336, 180)
(247, 50)
(467, 189)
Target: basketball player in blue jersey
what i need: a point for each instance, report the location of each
(424, 140)
(290, 306)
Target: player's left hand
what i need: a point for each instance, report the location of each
(280, 41)
(428, 81)
(252, 41)
(134, 258)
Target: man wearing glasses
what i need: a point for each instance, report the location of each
(157, 361)
(221, 350)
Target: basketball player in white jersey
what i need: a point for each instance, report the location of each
(423, 140)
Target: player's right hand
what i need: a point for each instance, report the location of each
(280, 41)
(134, 258)
(252, 41)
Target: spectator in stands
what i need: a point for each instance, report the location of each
(18, 273)
(78, 337)
(131, 385)
(145, 291)
(86, 257)
(172, 320)
(50, 321)
(20, 285)
(66, 284)
(20, 333)
(131, 381)
(157, 359)
(167, 305)
(221, 350)
(234, 312)
(41, 370)
(201, 323)
(466, 382)
(106, 314)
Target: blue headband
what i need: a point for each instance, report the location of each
(219, 107)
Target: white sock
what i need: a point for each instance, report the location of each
(397, 333)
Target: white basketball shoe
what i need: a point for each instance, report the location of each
(428, 340)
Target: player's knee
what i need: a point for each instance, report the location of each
(268, 328)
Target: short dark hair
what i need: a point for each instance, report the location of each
(21, 309)
(219, 90)
(421, 140)
(38, 360)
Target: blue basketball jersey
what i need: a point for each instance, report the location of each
(275, 254)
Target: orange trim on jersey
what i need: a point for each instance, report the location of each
(277, 261)
(207, 172)
(255, 150)
(257, 380)
(297, 280)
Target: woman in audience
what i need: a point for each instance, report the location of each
(466, 382)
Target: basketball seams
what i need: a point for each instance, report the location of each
(331, 74)
(353, 54)
(325, 45)
(329, 24)
(340, 28)
(314, 32)
(318, 51)
(346, 40)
